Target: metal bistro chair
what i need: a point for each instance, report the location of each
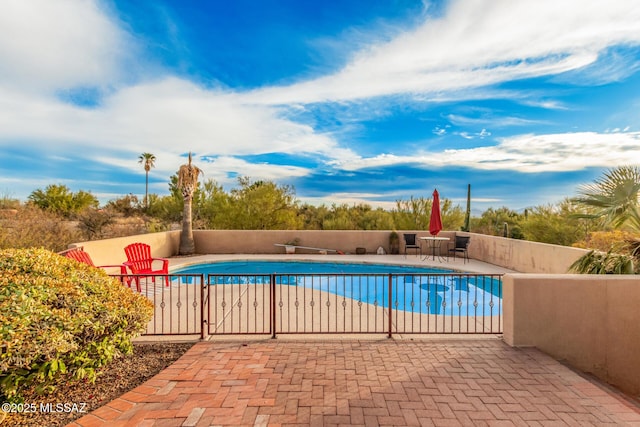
(411, 243)
(461, 246)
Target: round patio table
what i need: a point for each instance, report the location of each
(434, 243)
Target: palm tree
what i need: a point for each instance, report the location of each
(614, 198)
(148, 160)
(187, 183)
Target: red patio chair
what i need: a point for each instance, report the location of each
(80, 255)
(140, 261)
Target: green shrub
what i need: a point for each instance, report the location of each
(61, 320)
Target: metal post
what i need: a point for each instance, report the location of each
(273, 306)
(202, 308)
(390, 307)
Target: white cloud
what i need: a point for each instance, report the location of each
(219, 170)
(168, 118)
(489, 118)
(476, 43)
(526, 153)
(52, 45)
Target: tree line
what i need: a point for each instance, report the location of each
(603, 216)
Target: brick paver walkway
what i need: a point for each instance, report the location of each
(386, 382)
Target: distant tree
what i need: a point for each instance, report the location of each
(93, 222)
(373, 219)
(555, 224)
(214, 206)
(264, 205)
(62, 201)
(126, 205)
(340, 217)
(414, 214)
(492, 222)
(313, 217)
(187, 183)
(148, 160)
(453, 217)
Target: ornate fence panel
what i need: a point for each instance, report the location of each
(353, 304)
(178, 301)
(449, 303)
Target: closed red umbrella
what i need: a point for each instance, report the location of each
(435, 222)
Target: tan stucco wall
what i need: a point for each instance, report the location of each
(518, 255)
(522, 255)
(590, 321)
(111, 251)
(262, 242)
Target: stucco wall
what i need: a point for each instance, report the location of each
(111, 251)
(522, 255)
(590, 321)
(518, 255)
(262, 242)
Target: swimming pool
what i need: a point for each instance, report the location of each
(413, 288)
(302, 267)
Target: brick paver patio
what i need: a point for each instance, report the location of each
(358, 382)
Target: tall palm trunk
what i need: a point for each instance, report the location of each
(187, 244)
(148, 160)
(146, 190)
(187, 183)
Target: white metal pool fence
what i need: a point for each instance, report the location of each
(273, 304)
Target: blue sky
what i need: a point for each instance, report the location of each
(349, 101)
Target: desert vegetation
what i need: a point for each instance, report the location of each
(603, 216)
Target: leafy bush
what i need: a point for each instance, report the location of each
(61, 320)
(606, 240)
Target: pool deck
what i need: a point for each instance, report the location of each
(472, 266)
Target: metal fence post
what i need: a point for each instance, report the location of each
(203, 321)
(390, 307)
(273, 305)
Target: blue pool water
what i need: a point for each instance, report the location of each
(414, 288)
(303, 267)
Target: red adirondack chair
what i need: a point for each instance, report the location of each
(80, 255)
(141, 262)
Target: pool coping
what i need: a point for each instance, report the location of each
(458, 265)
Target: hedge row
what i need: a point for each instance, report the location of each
(61, 320)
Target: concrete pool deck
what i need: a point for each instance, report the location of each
(472, 266)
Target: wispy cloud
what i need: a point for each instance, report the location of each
(474, 44)
(168, 117)
(525, 153)
(491, 119)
